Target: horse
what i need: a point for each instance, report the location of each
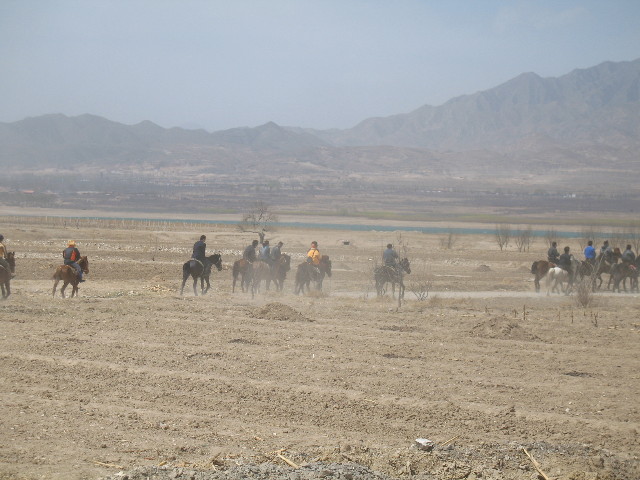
(540, 268)
(387, 274)
(279, 271)
(602, 266)
(261, 271)
(69, 275)
(620, 272)
(243, 269)
(556, 277)
(195, 268)
(5, 275)
(307, 272)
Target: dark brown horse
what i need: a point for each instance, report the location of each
(387, 274)
(242, 269)
(540, 268)
(603, 266)
(5, 275)
(69, 275)
(279, 271)
(620, 272)
(306, 273)
(196, 269)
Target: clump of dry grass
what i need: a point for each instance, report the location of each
(583, 292)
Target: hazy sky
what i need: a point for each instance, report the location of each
(310, 63)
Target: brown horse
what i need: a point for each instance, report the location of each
(195, 268)
(261, 271)
(540, 268)
(69, 275)
(279, 271)
(5, 275)
(242, 269)
(306, 273)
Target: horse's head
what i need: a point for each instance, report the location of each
(84, 264)
(11, 260)
(325, 264)
(404, 263)
(216, 259)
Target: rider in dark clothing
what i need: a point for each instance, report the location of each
(628, 256)
(607, 252)
(564, 263)
(552, 254)
(249, 253)
(199, 251)
(276, 252)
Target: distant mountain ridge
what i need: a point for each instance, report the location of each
(595, 105)
(598, 106)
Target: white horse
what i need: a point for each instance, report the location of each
(556, 277)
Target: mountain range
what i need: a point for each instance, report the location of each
(586, 110)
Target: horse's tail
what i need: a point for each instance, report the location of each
(186, 267)
(533, 267)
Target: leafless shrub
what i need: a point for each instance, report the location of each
(503, 235)
(551, 236)
(449, 240)
(583, 291)
(632, 234)
(524, 239)
(420, 282)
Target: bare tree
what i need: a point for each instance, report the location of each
(550, 236)
(258, 219)
(589, 233)
(633, 236)
(503, 235)
(524, 239)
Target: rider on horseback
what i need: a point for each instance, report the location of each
(276, 252)
(552, 254)
(3, 256)
(390, 257)
(313, 255)
(249, 253)
(564, 262)
(265, 253)
(199, 252)
(606, 252)
(71, 255)
(590, 253)
(628, 257)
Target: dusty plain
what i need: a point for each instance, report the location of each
(132, 374)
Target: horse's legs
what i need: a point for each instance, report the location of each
(64, 285)
(206, 279)
(74, 289)
(536, 282)
(184, 280)
(195, 286)
(55, 284)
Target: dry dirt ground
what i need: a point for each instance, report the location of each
(132, 380)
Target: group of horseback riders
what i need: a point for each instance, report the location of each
(591, 257)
